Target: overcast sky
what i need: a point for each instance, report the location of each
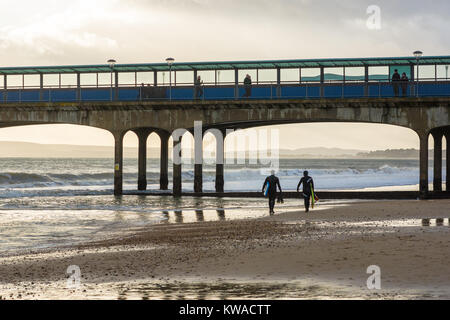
(52, 32)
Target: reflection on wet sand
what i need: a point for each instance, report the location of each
(242, 291)
(200, 215)
(440, 222)
(191, 216)
(221, 214)
(179, 217)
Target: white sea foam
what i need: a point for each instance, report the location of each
(355, 176)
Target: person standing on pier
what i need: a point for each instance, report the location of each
(198, 88)
(270, 190)
(405, 82)
(308, 189)
(395, 82)
(248, 86)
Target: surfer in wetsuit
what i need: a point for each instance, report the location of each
(308, 188)
(270, 186)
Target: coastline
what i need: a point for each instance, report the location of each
(321, 255)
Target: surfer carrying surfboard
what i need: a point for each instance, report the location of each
(270, 190)
(308, 189)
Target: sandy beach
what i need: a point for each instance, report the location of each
(321, 255)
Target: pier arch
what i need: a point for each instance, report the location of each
(384, 134)
(60, 141)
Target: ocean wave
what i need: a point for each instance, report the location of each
(30, 180)
(82, 182)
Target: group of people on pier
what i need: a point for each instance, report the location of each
(400, 82)
(198, 86)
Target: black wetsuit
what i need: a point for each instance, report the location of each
(308, 186)
(274, 182)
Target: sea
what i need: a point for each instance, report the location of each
(46, 203)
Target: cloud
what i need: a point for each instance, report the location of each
(51, 32)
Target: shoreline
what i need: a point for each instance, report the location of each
(328, 250)
(324, 195)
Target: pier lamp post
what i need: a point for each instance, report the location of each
(170, 62)
(418, 55)
(111, 63)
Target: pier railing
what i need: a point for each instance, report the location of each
(228, 91)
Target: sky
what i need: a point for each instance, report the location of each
(49, 32)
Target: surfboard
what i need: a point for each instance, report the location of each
(267, 189)
(313, 198)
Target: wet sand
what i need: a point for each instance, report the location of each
(321, 255)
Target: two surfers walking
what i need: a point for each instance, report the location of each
(272, 185)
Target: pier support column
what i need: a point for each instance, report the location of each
(118, 163)
(423, 164)
(437, 178)
(198, 159)
(164, 173)
(220, 161)
(177, 166)
(447, 160)
(142, 167)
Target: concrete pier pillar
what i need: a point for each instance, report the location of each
(198, 163)
(177, 168)
(437, 177)
(220, 162)
(423, 165)
(220, 180)
(447, 157)
(164, 173)
(142, 167)
(198, 178)
(118, 163)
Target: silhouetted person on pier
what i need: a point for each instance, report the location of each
(270, 186)
(396, 82)
(248, 86)
(143, 93)
(198, 88)
(405, 82)
(308, 189)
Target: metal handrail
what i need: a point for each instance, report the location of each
(219, 84)
(276, 92)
